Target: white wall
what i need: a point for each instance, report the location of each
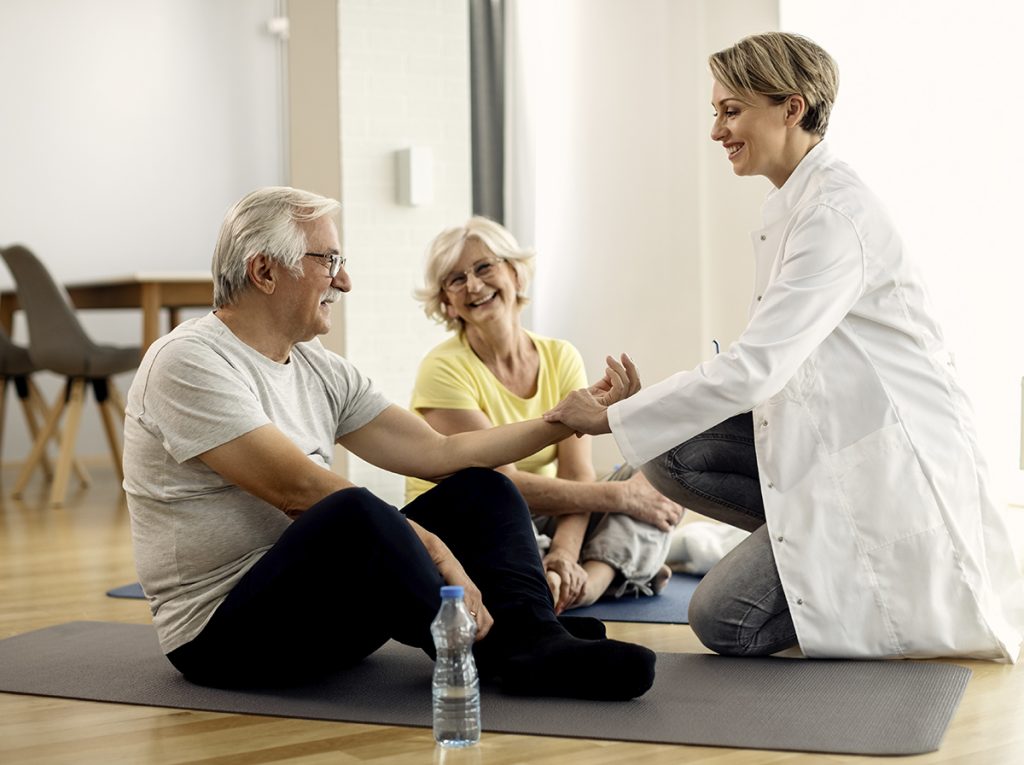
(640, 228)
(127, 127)
(404, 82)
(928, 101)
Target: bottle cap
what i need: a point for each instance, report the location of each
(452, 591)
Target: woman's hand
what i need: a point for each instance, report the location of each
(566, 578)
(643, 502)
(585, 411)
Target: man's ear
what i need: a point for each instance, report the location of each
(796, 108)
(262, 273)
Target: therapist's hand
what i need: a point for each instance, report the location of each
(586, 411)
(582, 412)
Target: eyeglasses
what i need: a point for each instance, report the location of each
(332, 261)
(456, 281)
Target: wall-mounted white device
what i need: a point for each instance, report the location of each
(415, 174)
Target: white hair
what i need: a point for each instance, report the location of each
(445, 251)
(264, 221)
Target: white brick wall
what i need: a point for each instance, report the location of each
(404, 82)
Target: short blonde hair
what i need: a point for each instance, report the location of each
(445, 251)
(779, 65)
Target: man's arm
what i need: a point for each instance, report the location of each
(268, 464)
(399, 441)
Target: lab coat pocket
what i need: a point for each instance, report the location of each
(883, 488)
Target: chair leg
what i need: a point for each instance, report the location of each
(26, 392)
(39, 447)
(3, 404)
(107, 411)
(117, 398)
(35, 404)
(67, 443)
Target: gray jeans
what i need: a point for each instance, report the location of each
(739, 608)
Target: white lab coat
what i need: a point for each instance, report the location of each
(875, 495)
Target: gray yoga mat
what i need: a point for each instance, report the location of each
(133, 591)
(896, 707)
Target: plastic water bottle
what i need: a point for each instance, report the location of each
(456, 684)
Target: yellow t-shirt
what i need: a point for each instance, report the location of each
(451, 376)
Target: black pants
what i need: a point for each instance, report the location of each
(350, 573)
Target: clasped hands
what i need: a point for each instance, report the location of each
(586, 410)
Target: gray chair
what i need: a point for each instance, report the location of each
(16, 367)
(59, 344)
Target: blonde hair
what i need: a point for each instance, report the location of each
(264, 221)
(446, 249)
(779, 65)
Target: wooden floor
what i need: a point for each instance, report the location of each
(56, 565)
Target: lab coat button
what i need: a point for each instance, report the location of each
(799, 601)
(758, 298)
(779, 537)
(763, 237)
(764, 423)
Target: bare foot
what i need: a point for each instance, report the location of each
(599, 578)
(660, 580)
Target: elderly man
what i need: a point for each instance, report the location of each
(263, 566)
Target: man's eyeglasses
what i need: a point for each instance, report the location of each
(332, 261)
(456, 281)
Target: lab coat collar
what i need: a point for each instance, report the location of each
(780, 202)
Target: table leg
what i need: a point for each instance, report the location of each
(150, 314)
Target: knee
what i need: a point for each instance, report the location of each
(671, 478)
(478, 488)
(706, 619)
(349, 510)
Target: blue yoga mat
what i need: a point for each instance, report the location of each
(127, 591)
(669, 607)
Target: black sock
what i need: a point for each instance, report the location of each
(554, 663)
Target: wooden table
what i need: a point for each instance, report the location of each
(151, 291)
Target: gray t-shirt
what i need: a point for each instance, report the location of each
(194, 534)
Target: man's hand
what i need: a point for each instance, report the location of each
(586, 411)
(621, 380)
(566, 578)
(453, 573)
(642, 501)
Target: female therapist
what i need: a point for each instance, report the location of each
(834, 428)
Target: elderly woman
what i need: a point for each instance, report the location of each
(834, 428)
(605, 537)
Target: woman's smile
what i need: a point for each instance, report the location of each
(482, 300)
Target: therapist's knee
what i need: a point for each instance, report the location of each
(708, 615)
(664, 474)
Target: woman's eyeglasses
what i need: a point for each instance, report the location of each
(456, 281)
